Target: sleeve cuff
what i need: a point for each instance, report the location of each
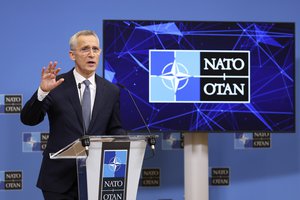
(41, 95)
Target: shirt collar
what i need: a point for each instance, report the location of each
(79, 78)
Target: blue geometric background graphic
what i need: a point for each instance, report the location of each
(127, 45)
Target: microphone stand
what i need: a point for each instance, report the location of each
(152, 139)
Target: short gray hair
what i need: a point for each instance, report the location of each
(73, 39)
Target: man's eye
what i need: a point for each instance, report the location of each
(85, 49)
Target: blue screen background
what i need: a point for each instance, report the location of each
(126, 47)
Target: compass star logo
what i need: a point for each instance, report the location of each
(175, 76)
(34, 141)
(114, 164)
(243, 140)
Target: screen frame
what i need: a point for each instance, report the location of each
(146, 129)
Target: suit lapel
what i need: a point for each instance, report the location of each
(99, 99)
(73, 95)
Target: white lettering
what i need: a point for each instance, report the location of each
(12, 109)
(13, 99)
(224, 89)
(13, 176)
(151, 173)
(220, 172)
(264, 135)
(43, 146)
(220, 181)
(224, 64)
(150, 182)
(112, 196)
(13, 185)
(262, 143)
(113, 183)
(44, 137)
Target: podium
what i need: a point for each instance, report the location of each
(112, 168)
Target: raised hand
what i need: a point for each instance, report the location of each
(49, 74)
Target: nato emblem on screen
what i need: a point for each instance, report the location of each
(172, 75)
(196, 76)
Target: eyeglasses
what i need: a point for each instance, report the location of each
(87, 50)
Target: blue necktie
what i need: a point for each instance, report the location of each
(86, 104)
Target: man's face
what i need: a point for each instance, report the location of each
(86, 55)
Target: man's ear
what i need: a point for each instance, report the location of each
(72, 55)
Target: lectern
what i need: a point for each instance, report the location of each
(112, 168)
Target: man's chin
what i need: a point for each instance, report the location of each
(87, 71)
(91, 68)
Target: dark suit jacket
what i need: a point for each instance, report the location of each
(64, 111)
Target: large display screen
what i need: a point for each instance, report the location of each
(201, 76)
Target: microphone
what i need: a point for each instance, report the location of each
(85, 140)
(151, 140)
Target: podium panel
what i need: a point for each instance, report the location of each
(112, 168)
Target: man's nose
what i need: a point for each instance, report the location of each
(91, 53)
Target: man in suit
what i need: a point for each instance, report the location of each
(60, 96)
